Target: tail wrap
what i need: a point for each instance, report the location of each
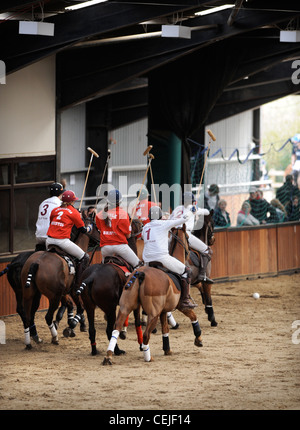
(140, 276)
(31, 274)
(4, 270)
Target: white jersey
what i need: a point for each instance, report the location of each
(43, 220)
(181, 210)
(155, 235)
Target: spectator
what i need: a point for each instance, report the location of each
(244, 216)
(296, 158)
(293, 209)
(221, 216)
(286, 192)
(211, 198)
(280, 210)
(259, 206)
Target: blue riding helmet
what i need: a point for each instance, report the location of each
(188, 198)
(114, 197)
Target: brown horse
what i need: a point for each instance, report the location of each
(156, 292)
(102, 286)
(50, 276)
(180, 250)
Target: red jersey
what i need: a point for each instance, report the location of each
(119, 227)
(142, 210)
(62, 220)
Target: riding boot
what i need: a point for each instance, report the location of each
(81, 266)
(185, 298)
(205, 258)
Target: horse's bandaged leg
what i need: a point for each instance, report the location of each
(147, 353)
(166, 343)
(113, 340)
(53, 330)
(27, 336)
(171, 319)
(196, 328)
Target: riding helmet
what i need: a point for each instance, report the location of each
(189, 198)
(155, 213)
(56, 189)
(69, 196)
(114, 197)
(143, 195)
(214, 189)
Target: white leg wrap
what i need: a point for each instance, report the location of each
(147, 353)
(53, 330)
(171, 319)
(113, 340)
(27, 336)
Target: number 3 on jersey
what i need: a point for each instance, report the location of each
(44, 211)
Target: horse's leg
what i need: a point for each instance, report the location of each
(121, 318)
(79, 317)
(34, 307)
(171, 320)
(151, 324)
(195, 324)
(124, 329)
(53, 305)
(207, 301)
(28, 294)
(66, 304)
(90, 311)
(138, 326)
(165, 333)
(111, 319)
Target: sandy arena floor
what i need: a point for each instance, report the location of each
(251, 361)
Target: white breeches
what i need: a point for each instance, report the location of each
(196, 243)
(171, 263)
(123, 251)
(67, 245)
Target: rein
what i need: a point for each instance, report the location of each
(178, 240)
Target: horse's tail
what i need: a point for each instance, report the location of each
(5, 270)
(88, 281)
(137, 276)
(31, 274)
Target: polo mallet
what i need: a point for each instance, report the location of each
(88, 172)
(147, 150)
(212, 137)
(104, 171)
(150, 168)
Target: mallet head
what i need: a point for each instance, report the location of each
(93, 152)
(147, 150)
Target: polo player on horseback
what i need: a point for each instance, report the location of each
(62, 219)
(195, 243)
(114, 226)
(155, 236)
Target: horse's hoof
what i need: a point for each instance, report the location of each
(94, 352)
(141, 348)
(55, 340)
(175, 327)
(67, 332)
(83, 328)
(72, 334)
(169, 352)
(28, 347)
(198, 342)
(37, 339)
(107, 361)
(154, 331)
(214, 323)
(122, 335)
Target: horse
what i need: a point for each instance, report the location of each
(51, 276)
(101, 285)
(193, 259)
(13, 272)
(156, 291)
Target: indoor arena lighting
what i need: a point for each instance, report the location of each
(215, 9)
(84, 4)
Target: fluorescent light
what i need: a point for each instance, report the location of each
(84, 4)
(215, 9)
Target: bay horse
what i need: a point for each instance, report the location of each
(193, 259)
(156, 292)
(13, 272)
(101, 286)
(51, 277)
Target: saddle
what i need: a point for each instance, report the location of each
(71, 261)
(120, 262)
(174, 276)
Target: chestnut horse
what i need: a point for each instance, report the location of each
(102, 286)
(155, 291)
(51, 277)
(184, 253)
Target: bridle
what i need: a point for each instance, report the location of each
(179, 241)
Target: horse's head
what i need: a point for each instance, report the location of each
(206, 232)
(136, 227)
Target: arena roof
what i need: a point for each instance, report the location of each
(108, 49)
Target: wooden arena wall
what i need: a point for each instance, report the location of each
(237, 254)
